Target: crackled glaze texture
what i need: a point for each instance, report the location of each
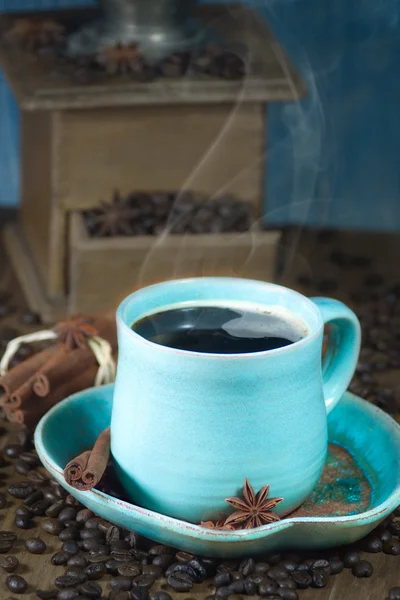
(187, 428)
(364, 431)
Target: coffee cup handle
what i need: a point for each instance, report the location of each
(341, 357)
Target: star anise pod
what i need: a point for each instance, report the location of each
(114, 218)
(120, 59)
(218, 525)
(33, 34)
(253, 510)
(75, 332)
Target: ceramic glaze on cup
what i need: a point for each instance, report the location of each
(188, 427)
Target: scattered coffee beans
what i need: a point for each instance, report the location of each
(35, 546)
(16, 584)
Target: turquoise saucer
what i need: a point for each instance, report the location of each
(359, 488)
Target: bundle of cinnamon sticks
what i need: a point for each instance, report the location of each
(68, 366)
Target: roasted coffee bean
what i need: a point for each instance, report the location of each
(90, 589)
(13, 450)
(60, 558)
(67, 581)
(22, 467)
(31, 458)
(385, 535)
(100, 551)
(68, 594)
(37, 478)
(21, 490)
(91, 534)
(23, 511)
(68, 513)
(261, 567)
(9, 563)
(35, 545)
(276, 573)
(350, 558)
(103, 525)
(183, 556)
(160, 596)
(267, 587)
(92, 523)
(394, 527)
(394, 594)
(71, 547)
(98, 559)
(3, 500)
(287, 583)
(198, 569)
(302, 579)
(23, 522)
(16, 584)
(5, 546)
(247, 567)
(52, 526)
(257, 578)
(70, 533)
(163, 560)
(129, 569)
(112, 566)
(152, 570)
(373, 545)
(180, 582)
(392, 546)
(321, 565)
(250, 587)
(336, 566)
(132, 538)
(141, 586)
(46, 594)
(54, 509)
(182, 568)
(289, 565)
(237, 587)
(84, 515)
(39, 508)
(362, 569)
(121, 583)
(320, 579)
(7, 536)
(222, 579)
(95, 571)
(49, 495)
(77, 573)
(78, 560)
(160, 549)
(113, 534)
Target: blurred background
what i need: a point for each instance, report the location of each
(333, 158)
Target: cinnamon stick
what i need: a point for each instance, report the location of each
(75, 468)
(34, 410)
(97, 460)
(18, 375)
(76, 361)
(24, 392)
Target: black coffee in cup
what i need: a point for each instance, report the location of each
(221, 329)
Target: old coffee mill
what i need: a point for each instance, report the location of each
(144, 159)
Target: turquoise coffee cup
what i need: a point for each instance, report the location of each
(187, 427)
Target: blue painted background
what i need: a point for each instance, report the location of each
(333, 158)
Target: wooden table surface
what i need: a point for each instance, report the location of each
(304, 254)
